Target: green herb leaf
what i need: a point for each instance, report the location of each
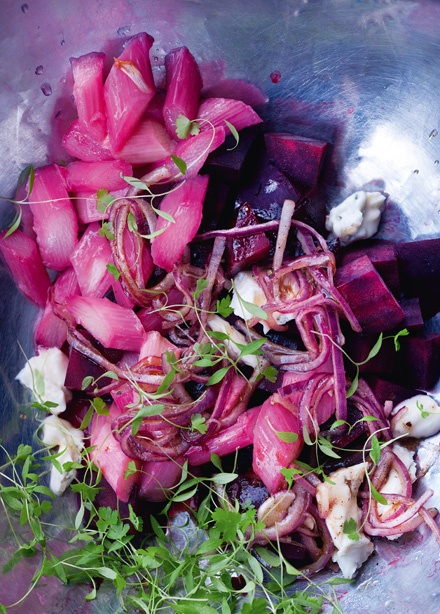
(402, 333)
(354, 385)
(285, 435)
(106, 231)
(234, 133)
(374, 350)
(136, 183)
(217, 376)
(166, 382)
(146, 411)
(113, 271)
(252, 348)
(326, 447)
(201, 285)
(15, 224)
(270, 373)
(104, 200)
(181, 164)
(198, 423)
(377, 496)
(223, 307)
(186, 127)
(350, 529)
(131, 223)
(375, 449)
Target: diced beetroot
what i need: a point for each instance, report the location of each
(86, 205)
(112, 325)
(242, 253)
(149, 142)
(271, 453)
(228, 162)
(218, 205)
(185, 205)
(299, 158)
(387, 361)
(184, 83)
(128, 89)
(385, 390)
(383, 257)
(90, 259)
(79, 144)
(88, 91)
(365, 291)
(55, 221)
(265, 190)
(413, 314)
(238, 89)
(158, 478)
(422, 359)
(419, 270)
(23, 259)
(80, 366)
(219, 110)
(86, 176)
(227, 441)
(109, 458)
(51, 330)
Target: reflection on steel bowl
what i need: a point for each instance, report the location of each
(363, 76)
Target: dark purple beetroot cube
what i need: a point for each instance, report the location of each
(385, 390)
(228, 161)
(419, 271)
(218, 206)
(368, 296)
(383, 257)
(242, 253)
(299, 158)
(413, 320)
(422, 359)
(387, 361)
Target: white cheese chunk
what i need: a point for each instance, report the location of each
(337, 503)
(393, 484)
(44, 375)
(247, 288)
(417, 417)
(357, 217)
(69, 441)
(220, 325)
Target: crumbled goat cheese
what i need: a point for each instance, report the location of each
(393, 484)
(357, 217)
(69, 441)
(418, 417)
(218, 324)
(337, 503)
(44, 375)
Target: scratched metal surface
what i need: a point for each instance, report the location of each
(365, 73)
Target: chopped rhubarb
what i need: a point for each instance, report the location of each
(88, 92)
(112, 325)
(184, 83)
(86, 205)
(185, 205)
(86, 176)
(51, 330)
(157, 345)
(79, 144)
(109, 458)
(226, 441)
(299, 158)
(55, 221)
(369, 298)
(149, 142)
(128, 89)
(90, 259)
(276, 422)
(158, 478)
(23, 259)
(217, 111)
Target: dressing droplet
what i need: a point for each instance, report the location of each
(24, 8)
(275, 76)
(433, 133)
(46, 88)
(123, 31)
(39, 70)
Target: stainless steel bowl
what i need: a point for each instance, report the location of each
(364, 73)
